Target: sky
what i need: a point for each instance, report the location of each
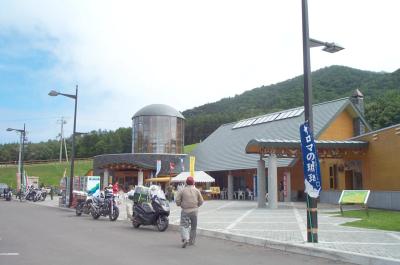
(124, 55)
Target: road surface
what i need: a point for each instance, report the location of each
(36, 235)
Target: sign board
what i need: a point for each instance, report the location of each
(354, 196)
(93, 184)
(312, 175)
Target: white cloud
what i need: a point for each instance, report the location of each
(128, 54)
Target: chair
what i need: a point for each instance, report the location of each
(250, 195)
(241, 195)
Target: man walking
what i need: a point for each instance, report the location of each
(190, 199)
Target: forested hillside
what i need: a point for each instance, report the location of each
(88, 145)
(381, 92)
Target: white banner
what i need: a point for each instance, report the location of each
(93, 184)
(158, 167)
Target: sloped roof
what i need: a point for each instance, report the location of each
(255, 145)
(224, 149)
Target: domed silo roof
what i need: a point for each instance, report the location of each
(158, 110)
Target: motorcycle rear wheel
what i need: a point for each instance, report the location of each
(78, 210)
(135, 223)
(162, 223)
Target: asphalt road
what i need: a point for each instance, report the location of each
(32, 234)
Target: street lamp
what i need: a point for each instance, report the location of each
(312, 220)
(21, 156)
(54, 93)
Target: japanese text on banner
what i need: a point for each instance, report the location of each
(312, 175)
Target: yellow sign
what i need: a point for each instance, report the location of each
(192, 161)
(354, 196)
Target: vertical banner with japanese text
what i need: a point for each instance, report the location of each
(191, 166)
(312, 175)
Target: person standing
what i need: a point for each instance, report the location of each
(189, 199)
(169, 192)
(115, 188)
(281, 191)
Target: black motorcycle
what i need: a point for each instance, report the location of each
(8, 194)
(83, 206)
(31, 194)
(155, 212)
(104, 207)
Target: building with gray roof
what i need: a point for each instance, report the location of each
(223, 154)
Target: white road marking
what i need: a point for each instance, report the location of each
(300, 222)
(9, 254)
(263, 230)
(394, 235)
(232, 225)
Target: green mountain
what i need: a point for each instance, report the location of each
(381, 96)
(381, 92)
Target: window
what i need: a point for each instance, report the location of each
(333, 177)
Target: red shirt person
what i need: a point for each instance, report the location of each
(115, 188)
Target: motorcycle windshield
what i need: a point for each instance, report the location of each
(158, 194)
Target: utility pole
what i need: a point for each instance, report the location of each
(62, 139)
(62, 122)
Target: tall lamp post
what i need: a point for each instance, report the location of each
(21, 155)
(54, 93)
(312, 220)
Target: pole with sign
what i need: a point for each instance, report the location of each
(312, 179)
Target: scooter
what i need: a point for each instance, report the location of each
(155, 212)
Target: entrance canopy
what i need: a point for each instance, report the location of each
(292, 148)
(199, 176)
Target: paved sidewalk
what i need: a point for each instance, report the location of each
(285, 228)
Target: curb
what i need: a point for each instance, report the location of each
(51, 206)
(308, 249)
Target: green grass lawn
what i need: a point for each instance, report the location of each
(378, 219)
(49, 173)
(189, 148)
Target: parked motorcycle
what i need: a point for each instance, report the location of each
(104, 207)
(84, 206)
(30, 194)
(8, 194)
(155, 212)
(39, 195)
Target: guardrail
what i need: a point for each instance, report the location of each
(33, 162)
